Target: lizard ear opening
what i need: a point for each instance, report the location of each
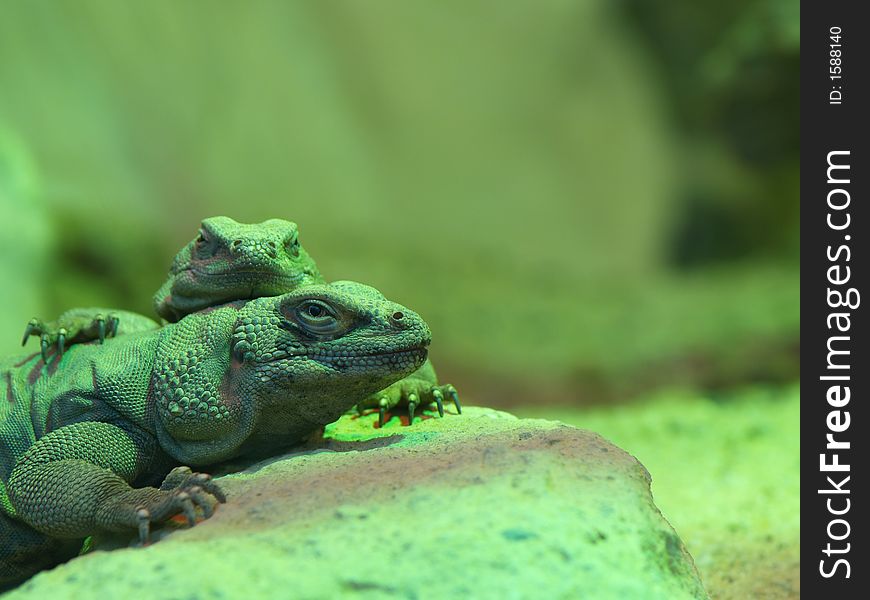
(242, 350)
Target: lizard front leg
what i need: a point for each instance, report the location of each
(419, 389)
(82, 325)
(75, 482)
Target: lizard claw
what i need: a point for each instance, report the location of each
(382, 411)
(143, 519)
(200, 499)
(439, 400)
(61, 341)
(204, 483)
(412, 407)
(100, 320)
(454, 395)
(187, 508)
(43, 348)
(34, 327)
(112, 328)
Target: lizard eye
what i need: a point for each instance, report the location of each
(203, 244)
(293, 246)
(317, 317)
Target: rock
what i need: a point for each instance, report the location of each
(481, 505)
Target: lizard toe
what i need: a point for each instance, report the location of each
(383, 404)
(202, 501)
(205, 482)
(185, 506)
(100, 323)
(454, 395)
(34, 327)
(44, 344)
(176, 477)
(438, 396)
(112, 325)
(413, 399)
(183, 479)
(61, 342)
(143, 523)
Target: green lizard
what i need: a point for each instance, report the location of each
(233, 261)
(227, 261)
(85, 437)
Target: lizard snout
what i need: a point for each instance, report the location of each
(253, 250)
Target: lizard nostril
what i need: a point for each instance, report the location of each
(398, 315)
(272, 249)
(234, 245)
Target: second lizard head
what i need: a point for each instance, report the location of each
(230, 261)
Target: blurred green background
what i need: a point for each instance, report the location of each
(593, 204)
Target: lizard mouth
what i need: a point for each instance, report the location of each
(413, 351)
(369, 359)
(393, 361)
(248, 273)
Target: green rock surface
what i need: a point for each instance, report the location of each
(726, 474)
(480, 505)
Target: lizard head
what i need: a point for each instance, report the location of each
(285, 366)
(230, 261)
(344, 338)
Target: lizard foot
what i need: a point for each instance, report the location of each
(75, 326)
(411, 393)
(183, 492)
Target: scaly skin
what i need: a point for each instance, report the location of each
(86, 439)
(230, 261)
